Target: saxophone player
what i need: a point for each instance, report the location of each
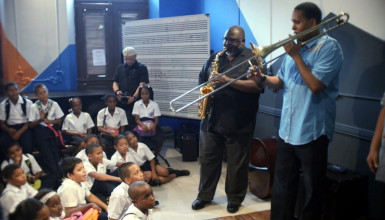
(227, 130)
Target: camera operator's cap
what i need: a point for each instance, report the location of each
(129, 51)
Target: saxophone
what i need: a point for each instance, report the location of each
(204, 104)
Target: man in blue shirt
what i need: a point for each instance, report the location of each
(309, 79)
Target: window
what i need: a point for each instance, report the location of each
(98, 38)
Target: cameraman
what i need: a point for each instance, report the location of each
(128, 77)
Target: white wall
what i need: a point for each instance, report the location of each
(270, 20)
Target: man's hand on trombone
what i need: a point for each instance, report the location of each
(220, 80)
(255, 73)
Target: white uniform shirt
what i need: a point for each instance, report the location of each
(16, 114)
(34, 165)
(101, 168)
(83, 156)
(119, 201)
(117, 157)
(118, 119)
(73, 194)
(142, 154)
(54, 113)
(151, 111)
(136, 214)
(75, 124)
(12, 196)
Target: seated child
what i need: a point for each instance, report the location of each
(30, 209)
(90, 139)
(111, 121)
(73, 192)
(77, 125)
(46, 114)
(147, 110)
(13, 118)
(27, 162)
(119, 199)
(121, 147)
(16, 190)
(140, 154)
(98, 181)
(56, 212)
(143, 201)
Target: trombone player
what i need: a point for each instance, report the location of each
(309, 78)
(229, 126)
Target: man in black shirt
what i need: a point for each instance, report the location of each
(229, 127)
(127, 80)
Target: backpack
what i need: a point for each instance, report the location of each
(8, 107)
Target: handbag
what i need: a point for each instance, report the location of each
(91, 214)
(138, 129)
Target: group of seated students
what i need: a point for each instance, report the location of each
(99, 173)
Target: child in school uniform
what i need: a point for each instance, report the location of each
(14, 118)
(90, 139)
(56, 212)
(31, 209)
(98, 181)
(119, 199)
(143, 201)
(27, 162)
(144, 111)
(17, 188)
(73, 192)
(77, 125)
(140, 154)
(111, 121)
(45, 115)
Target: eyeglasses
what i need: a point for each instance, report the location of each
(232, 41)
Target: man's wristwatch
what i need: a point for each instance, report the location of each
(117, 90)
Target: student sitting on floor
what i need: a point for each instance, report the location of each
(111, 121)
(90, 139)
(119, 199)
(98, 181)
(56, 212)
(27, 162)
(77, 125)
(73, 192)
(17, 188)
(143, 201)
(45, 117)
(154, 173)
(14, 118)
(31, 209)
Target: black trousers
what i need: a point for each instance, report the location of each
(49, 154)
(26, 139)
(212, 148)
(312, 159)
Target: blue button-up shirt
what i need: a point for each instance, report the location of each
(306, 115)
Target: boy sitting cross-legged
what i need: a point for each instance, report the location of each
(119, 200)
(17, 188)
(73, 192)
(98, 181)
(143, 201)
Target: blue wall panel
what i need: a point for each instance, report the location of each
(59, 79)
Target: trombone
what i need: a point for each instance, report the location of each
(260, 53)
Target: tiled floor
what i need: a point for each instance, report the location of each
(176, 197)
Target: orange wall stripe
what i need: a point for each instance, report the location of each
(15, 67)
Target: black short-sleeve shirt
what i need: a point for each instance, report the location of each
(129, 77)
(231, 111)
